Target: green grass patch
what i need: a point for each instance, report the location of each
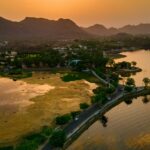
(73, 76)
(16, 74)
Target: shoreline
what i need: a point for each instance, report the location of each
(89, 121)
(117, 54)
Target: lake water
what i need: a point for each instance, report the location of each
(128, 126)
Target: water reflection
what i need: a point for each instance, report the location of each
(103, 120)
(128, 102)
(146, 99)
(125, 127)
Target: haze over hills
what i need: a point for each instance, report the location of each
(129, 29)
(101, 30)
(40, 28)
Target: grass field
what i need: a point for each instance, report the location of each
(64, 98)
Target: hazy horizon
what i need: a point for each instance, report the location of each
(111, 13)
(73, 21)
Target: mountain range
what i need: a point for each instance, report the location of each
(40, 28)
(129, 29)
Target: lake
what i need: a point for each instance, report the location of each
(128, 126)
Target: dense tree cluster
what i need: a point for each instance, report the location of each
(51, 58)
(58, 138)
(61, 120)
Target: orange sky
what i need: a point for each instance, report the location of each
(83, 12)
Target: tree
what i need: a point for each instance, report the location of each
(122, 65)
(99, 98)
(134, 63)
(110, 90)
(84, 106)
(128, 88)
(74, 114)
(146, 81)
(58, 138)
(61, 120)
(130, 82)
(27, 145)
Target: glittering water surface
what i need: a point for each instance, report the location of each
(128, 126)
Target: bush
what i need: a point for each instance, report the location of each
(61, 120)
(47, 131)
(84, 106)
(110, 90)
(128, 88)
(37, 137)
(58, 138)
(27, 145)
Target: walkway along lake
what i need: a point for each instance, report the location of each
(128, 126)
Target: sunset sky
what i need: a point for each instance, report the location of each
(84, 12)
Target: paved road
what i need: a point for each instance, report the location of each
(74, 125)
(47, 146)
(98, 77)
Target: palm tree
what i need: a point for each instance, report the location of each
(146, 81)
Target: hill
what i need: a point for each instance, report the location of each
(63, 29)
(101, 30)
(39, 28)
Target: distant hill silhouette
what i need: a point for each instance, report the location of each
(44, 29)
(129, 29)
(37, 28)
(101, 30)
(136, 29)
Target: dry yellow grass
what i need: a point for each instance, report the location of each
(64, 98)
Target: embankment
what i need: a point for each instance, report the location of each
(96, 115)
